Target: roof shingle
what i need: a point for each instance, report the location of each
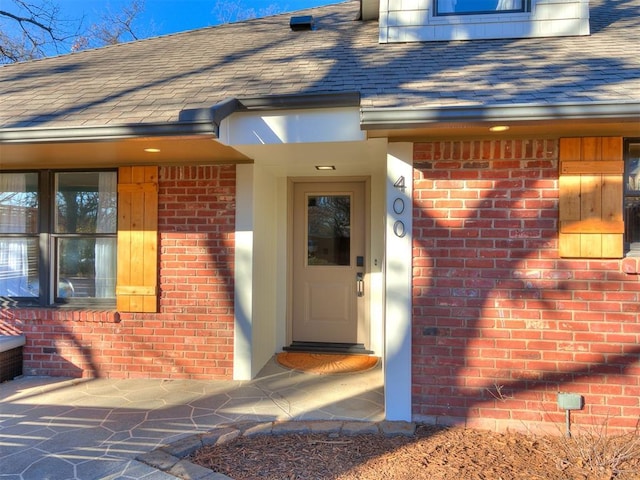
(153, 80)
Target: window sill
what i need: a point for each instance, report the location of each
(65, 314)
(480, 18)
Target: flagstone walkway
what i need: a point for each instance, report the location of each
(52, 428)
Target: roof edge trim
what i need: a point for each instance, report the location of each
(396, 118)
(292, 102)
(101, 133)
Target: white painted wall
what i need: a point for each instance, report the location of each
(414, 21)
(265, 283)
(398, 274)
(243, 281)
(256, 278)
(292, 126)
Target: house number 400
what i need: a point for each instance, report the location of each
(398, 208)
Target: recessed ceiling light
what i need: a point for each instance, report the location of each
(499, 128)
(152, 150)
(325, 167)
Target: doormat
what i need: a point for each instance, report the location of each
(326, 363)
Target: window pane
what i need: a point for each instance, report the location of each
(18, 202)
(632, 197)
(86, 267)
(85, 202)
(329, 230)
(19, 267)
(632, 169)
(632, 219)
(477, 6)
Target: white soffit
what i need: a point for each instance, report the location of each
(292, 126)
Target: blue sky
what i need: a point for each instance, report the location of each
(170, 16)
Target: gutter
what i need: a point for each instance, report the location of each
(404, 117)
(99, 133)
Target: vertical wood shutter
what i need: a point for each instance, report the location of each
(137, 280)
(591, 197)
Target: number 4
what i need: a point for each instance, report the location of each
(400, 183)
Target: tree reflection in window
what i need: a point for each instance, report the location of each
(452, 7)
(632, 196)
(329, 230)
(85, 228)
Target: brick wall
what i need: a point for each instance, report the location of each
(192, 335)
(501, 324)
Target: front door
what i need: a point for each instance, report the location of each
(329, 263)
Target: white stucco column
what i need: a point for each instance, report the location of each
(398, 233)
(243, 282)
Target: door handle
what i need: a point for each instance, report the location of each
(360, 284)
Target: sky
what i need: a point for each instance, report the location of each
(170, 16)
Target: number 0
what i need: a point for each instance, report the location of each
(398, 206)
(398, 229)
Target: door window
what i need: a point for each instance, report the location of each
(328, 230)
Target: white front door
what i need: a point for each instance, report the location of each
(329, 288)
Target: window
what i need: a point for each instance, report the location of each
(58, 236)
(329, 230)
(466, 7)
(632, 196)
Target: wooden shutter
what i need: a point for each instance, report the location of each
(591, 197)
(137, 282)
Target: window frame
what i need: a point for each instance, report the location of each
(631, 248)
(526, 8)
(48, 241)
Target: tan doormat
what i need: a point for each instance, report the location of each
(326, 363)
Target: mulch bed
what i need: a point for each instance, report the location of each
(432, 453)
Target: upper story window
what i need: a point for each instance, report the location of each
(58, 236)
(632, 196)
(473, 7)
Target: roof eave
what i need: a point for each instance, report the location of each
(408, 117)
(206, 121)
(191, 122)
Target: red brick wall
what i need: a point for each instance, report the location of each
(192, 335)
(501, 324)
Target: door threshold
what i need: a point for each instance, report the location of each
(324, 347)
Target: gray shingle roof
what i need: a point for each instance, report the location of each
(153, 80)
